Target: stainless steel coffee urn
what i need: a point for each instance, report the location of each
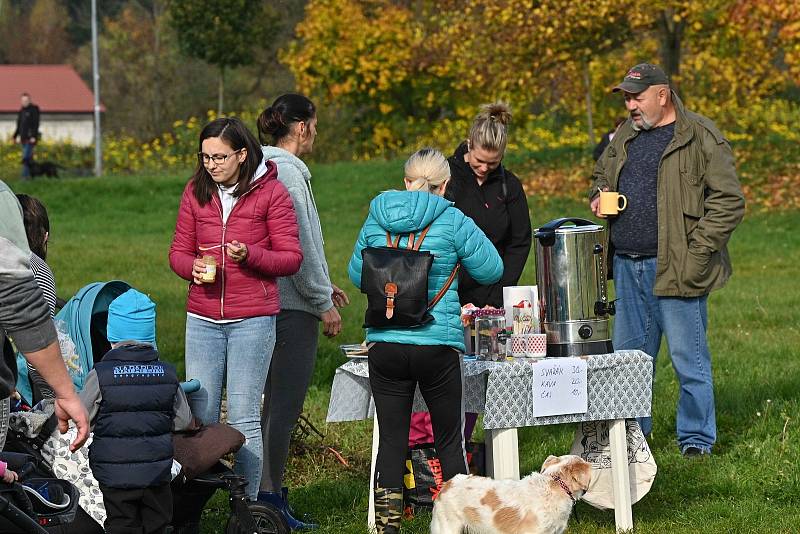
(571, 273)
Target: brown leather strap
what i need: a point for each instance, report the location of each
(445, 287)
(413, 244)
(391, 290)
(421, 237)
(410, 244)
(389, 242)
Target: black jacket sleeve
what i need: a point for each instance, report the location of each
(519, 245)
(35, 122)
(600, 147)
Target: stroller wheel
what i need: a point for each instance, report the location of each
(268, 520)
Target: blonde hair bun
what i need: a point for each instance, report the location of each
(497, 111)
(489, 129)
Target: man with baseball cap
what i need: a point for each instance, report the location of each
(668, 246)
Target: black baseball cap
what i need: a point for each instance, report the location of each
(641, 77)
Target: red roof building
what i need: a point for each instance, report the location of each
(65, 101)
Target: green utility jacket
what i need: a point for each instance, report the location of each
(700, 203)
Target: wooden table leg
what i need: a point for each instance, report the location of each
(623, 515)
(375, 440)
(502, 453)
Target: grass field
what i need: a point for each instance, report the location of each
(121, 227)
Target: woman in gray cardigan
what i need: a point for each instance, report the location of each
(308, 297)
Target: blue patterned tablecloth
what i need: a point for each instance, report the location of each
(619, 386)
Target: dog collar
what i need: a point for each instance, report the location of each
(563, 486)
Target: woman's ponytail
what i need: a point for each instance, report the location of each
(275, 122)
(426, 170)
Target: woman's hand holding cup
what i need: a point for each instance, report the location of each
(198, 271)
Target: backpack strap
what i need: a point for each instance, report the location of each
(421, 237)
(389, 242)
(413, 244)
(445, 287)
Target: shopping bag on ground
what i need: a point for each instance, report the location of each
(423, 479)
(592, 444)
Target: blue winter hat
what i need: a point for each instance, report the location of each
(132, 316)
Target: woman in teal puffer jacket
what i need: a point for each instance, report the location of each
(427, 355)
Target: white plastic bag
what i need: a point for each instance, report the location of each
(592, 444)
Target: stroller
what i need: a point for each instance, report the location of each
(40, 503)
(84, 318)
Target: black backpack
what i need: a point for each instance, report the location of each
(395, 281)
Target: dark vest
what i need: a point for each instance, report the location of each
(132, 445)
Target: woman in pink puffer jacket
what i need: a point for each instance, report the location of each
(234, 209)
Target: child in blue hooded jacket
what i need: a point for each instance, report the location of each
(426, 355)
(134, 402)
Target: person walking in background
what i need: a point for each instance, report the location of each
(236, 212)
(684, 201)
(288, 129)
(27, 131)
(493, 197)
(401, 358)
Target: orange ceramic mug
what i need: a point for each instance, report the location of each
(611, 202)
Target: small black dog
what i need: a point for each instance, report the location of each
(44, 168)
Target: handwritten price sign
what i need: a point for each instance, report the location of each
(559, 387)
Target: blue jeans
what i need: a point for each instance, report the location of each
(27, 157)
(237, 356)
(641, 320)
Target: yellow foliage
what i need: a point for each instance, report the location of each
(412, 65)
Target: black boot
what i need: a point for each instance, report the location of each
(388, 510)
(278, 500)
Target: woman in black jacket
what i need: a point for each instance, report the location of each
(493, 197)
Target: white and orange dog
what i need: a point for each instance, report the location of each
(539, 503)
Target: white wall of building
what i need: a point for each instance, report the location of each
(77, 128)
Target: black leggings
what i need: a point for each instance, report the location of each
(394, 371)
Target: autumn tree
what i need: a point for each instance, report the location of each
(428, 60)
(35, 32)
(146, 84)
(401, 66)
(725, 54)
(533, 52)
(220, 32)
